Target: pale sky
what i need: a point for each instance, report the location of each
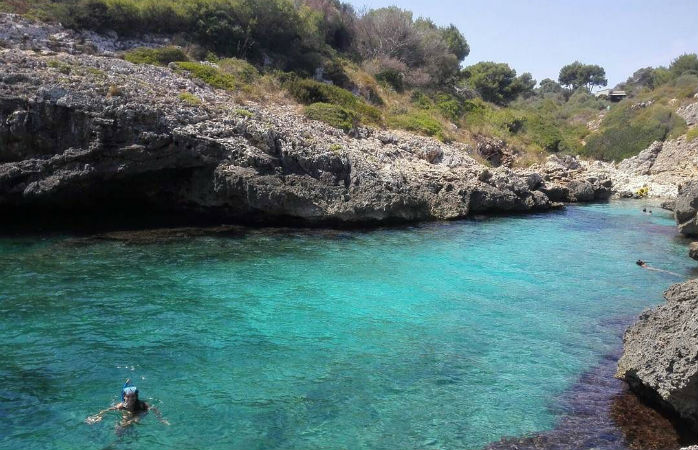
(541, 36)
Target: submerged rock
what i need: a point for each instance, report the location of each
(660, 358)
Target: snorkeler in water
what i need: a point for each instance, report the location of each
(644, 265)
(131, 407)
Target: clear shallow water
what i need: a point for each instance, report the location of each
(436, 336)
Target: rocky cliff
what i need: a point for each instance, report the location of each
(661, 168)
(108, 132)
(83, 132)
(660, 359)
(686, 208)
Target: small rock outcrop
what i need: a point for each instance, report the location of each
(660, 357)
(689, 113)
(686, 209)
(693, 250)
(494, 151)
(643, 162)
(564, 179)
(677, 155)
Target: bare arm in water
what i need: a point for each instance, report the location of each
(98, 417)
(158, 414)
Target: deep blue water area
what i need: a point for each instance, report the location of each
(435, 336)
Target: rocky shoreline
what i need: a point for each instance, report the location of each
(83, 133)
(660, 358)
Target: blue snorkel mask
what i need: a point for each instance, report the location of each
(128, 388)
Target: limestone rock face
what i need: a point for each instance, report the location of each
(563, 179)
(84, 132)
(580, 191)
(693, 250)
(658, 170)
(643, 162)
(689, 113)
(686, 208)
(660, 357)
(67, 144)
(677, 155)
(495, 151)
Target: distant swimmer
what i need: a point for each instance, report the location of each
(132, 409)
(644, 209)
(644, 265)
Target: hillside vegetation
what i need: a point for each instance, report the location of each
(386, 68)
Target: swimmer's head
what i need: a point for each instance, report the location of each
(129, 392)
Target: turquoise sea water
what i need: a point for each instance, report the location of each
(447, 335)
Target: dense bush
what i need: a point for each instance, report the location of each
(155, 56)
(190, 99)
(338, 24)
(449, 106)
(548, 134)
(692, 134)
(393, 78)
(239, 68)
(625, 131)
(310, 91)
(333, 115)
(210, 75)
(431, 55)
(421, 122)
(687, 63)
(497, 82)
(684, 67)
(287, 33)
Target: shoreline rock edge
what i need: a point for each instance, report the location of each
(660, 354)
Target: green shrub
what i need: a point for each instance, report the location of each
(334, 71)
(686, 85)
(244, 113)
(209, 74)
(419, 121)
(507, 119)
(449, 106)
(241, 69)
(155, 56)
(62, 67)
(333, 115)
(309, 91)
(392, 78)
(190, 99)
(692, 134)
(421, 100)
(625, 131)
(545, 133)
(251, 29)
